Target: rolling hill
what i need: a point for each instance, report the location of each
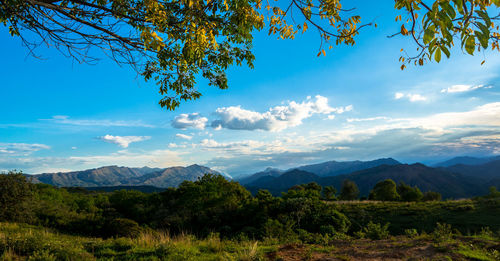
(449, 184)
(123, 176)
(325, 169)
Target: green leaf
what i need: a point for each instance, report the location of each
(484, 29)
(459, 5)
(445, 51)
(483, 39)
(428, 36)
(437, 55)
(448, 9)
(485, 17)
(470, 45)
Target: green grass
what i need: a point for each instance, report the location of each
(467, 216)
(21, 242)
(25, 242)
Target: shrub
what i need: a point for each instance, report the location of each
(376, 231)
(275, 229)
(431, 196)
(42, 255)
(123, 227)
(411, 233)
(442, 232)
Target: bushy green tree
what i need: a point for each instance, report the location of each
(384, 191)
(15, 192)
(431, 196)
(349, 190)
(310, 190)
(408, 193)
(329, 192)
(211, 203)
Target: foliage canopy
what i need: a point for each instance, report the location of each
(174, 42)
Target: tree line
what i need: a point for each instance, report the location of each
(208, 205)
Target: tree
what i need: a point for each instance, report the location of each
(431, 196)
(384, 191)
(15, 192)
(310, 190)
(173, 43)
(329, 192)
(408, 193)
(349, 190)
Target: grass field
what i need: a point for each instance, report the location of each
(24, 242)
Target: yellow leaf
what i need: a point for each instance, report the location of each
(324, 53)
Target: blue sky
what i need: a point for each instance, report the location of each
(293, 108)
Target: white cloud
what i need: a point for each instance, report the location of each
(398, 95)
(183, 136)
(411, 97)
(275, 119)
(19, 149)
(463, 88)
(123, 141)
(63, 119)
(416, 97)
(368, 119)
(191, 120)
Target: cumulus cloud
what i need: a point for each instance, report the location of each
(191, 120)
(63, 119)
(19, 149)
(411, 97)
(275, 119)
(463, 88)
(183, 136)
(433, 137)
(123, 141)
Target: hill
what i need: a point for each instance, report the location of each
(329, 168)
(104, 176)
(123, 176)
(171, 177)
(334, 168)
(275, 185)
(486, 171)
(253, 177)
(449, 184)
(466, 160)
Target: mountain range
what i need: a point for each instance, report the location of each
(455, 178)
(123, 176)
(456, 181)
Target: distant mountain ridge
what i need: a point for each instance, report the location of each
(334, 168)
(449, 184)
(466, 160)
(123, 176)
(329, 168)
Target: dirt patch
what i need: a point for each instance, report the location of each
(367, 250)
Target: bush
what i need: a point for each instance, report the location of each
(376, 231)
(431, 196)
(275, 229)
(411, 233)
(442, 232)
(123, 227)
